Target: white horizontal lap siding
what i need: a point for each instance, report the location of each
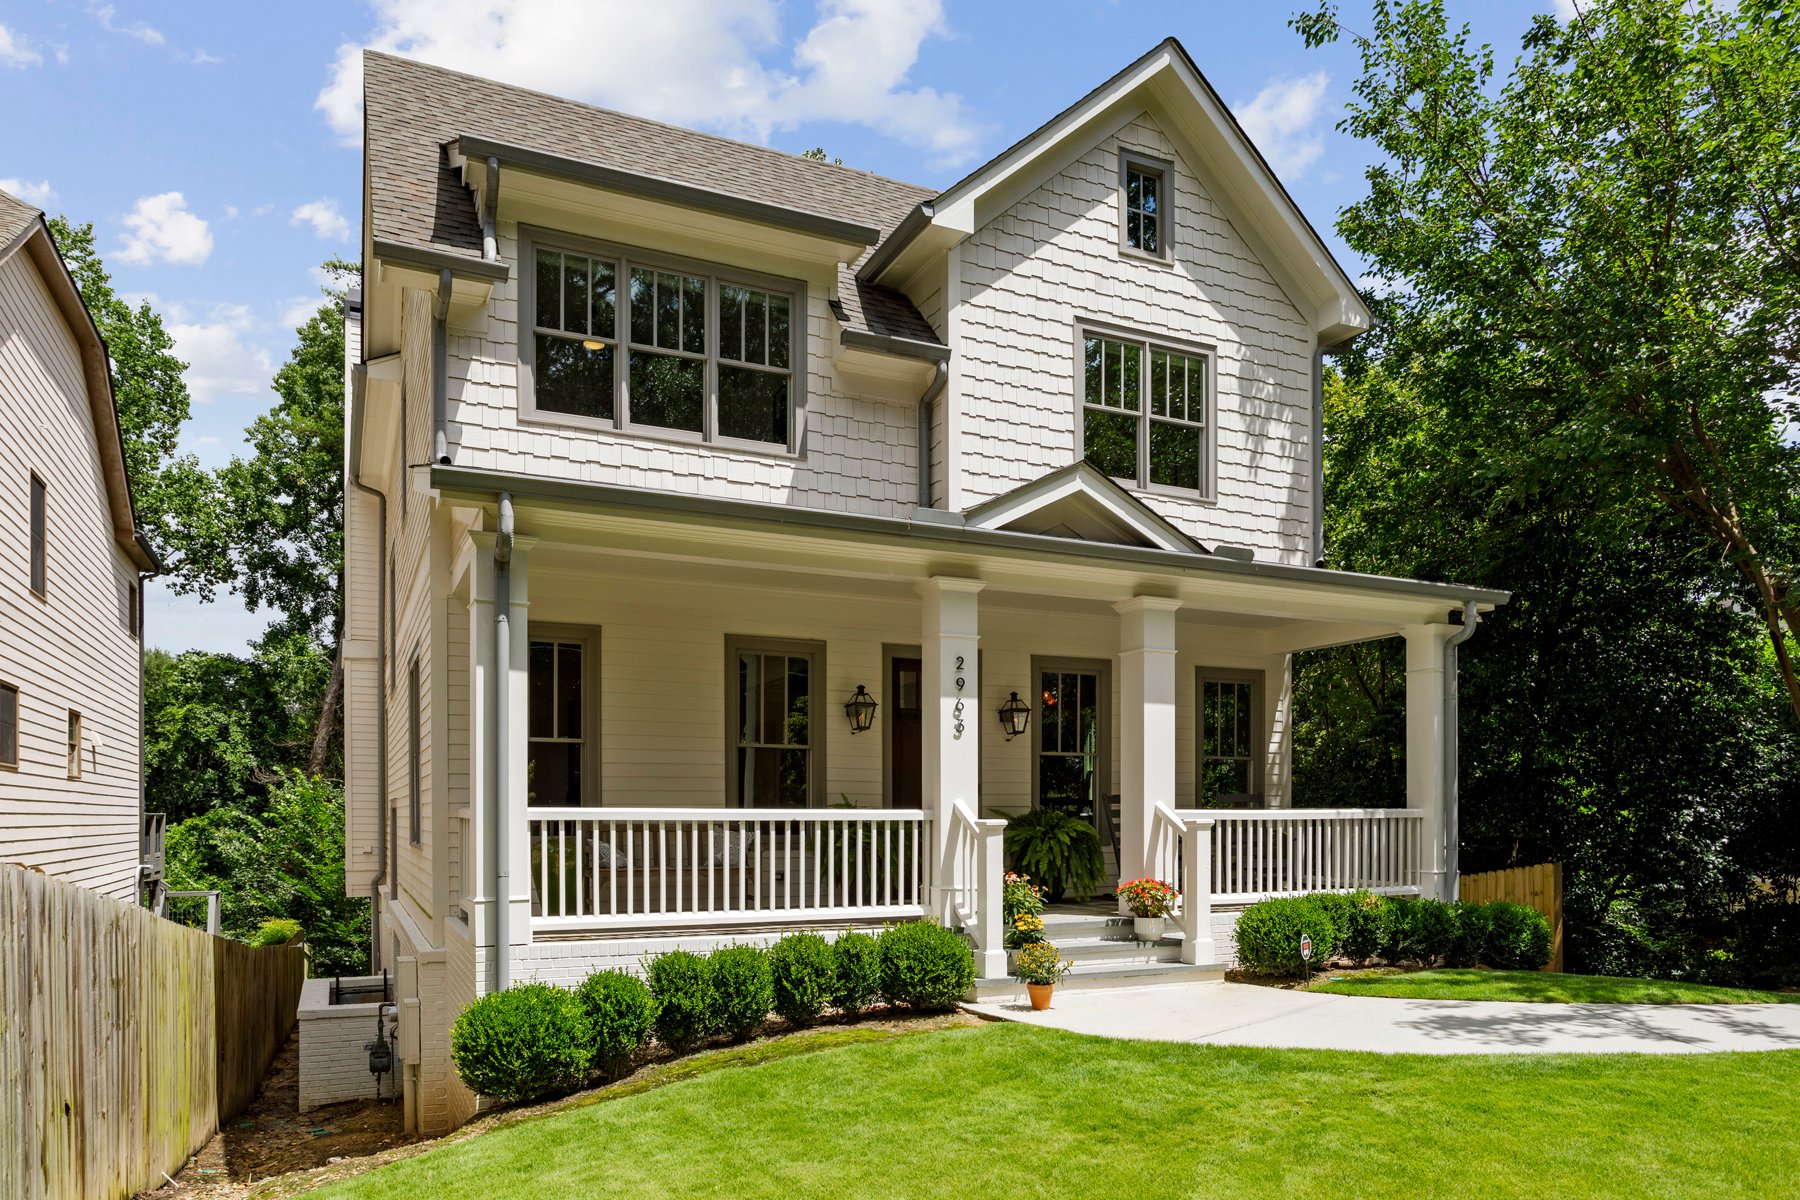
(72, 650)
(1052, 258)
(858, 450)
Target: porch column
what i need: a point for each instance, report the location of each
(1426, 744)
(950, 742)
(499, 800)
(1146, 723)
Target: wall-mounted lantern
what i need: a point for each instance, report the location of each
(860, 708)
(1015, 715)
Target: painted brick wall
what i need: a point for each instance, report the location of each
(334, 1067)
(1032, 272)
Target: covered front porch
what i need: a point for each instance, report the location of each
(687, 750)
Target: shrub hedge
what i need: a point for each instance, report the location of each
(686, 1010)
(742, 988)
(1362, 928)
(1518, 937)
(924, 966)
(856, 972)
(805, 975)
(528, 1041)
(621, 1016)
(1268, 934)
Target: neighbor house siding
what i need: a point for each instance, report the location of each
(1032, 273)
(364, 684)
(72, 649)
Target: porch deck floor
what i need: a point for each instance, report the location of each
(1237, 1014)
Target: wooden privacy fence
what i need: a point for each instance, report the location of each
(1541, 887)
(125, 1040)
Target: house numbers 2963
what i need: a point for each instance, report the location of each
(957, 712)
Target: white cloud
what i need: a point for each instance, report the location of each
(1280, 119)
(163, 230)
(15, 51)
(223, 361)
(326, 221)
(713, 63)
(298, 310)
(108, 16)
(40, 194)
(203, 59)
(1565, 9)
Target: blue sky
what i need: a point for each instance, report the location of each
(213, 146)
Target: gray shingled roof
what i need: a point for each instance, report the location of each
(15, 215)
(411, 109)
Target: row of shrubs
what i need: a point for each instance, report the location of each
(534, 1039)
(1361, 928)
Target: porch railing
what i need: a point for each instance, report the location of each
(594, 868)
(1290, 851)
(1181, 853)
(977, 873)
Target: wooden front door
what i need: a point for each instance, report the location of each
(906, 732)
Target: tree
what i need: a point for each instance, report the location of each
(1599, 262)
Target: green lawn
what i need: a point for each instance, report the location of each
(1540, 986)
(1008, 1111)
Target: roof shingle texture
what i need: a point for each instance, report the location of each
(410, 110)
(15, 215)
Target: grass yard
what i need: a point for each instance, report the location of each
(1539, 987)
(1011, 1111)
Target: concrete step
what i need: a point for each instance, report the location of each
(1101, 975)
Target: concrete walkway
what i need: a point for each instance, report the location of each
(1235, 1014)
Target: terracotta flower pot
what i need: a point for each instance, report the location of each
(1040, 994)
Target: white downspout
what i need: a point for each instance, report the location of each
(440, 369)
(1452, 832)
(503, 547)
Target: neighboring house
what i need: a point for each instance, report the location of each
(71, 583)
(666, 451)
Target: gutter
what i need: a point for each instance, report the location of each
(939, 378)
(440, 370)
(503, 548)
(359, 377)
(910, 226)
(1452, 772)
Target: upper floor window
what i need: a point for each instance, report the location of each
(74, 744)
(39, 535)
(1144, 206)
(9, 725)
(663, 346)
(1144, 413)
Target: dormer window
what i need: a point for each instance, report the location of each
(687, 351)
(1144, 206)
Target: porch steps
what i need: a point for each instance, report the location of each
(1106, 955)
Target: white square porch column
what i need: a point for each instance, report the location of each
(1427, 736)
(499, 801)
(1146, 723)
(950, 682)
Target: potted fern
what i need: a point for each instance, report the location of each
(1151, 902)
(1038, 966)
(1059, 850)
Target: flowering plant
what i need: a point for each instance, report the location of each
(1026, 928)
(1149, 897)
(1040, 962)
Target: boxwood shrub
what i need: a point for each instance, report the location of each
(686, 1013)
(1518, 937)
(1268, 934)
(856, 972)
(925, 966)
(621, 1017)
(1422, 931)
(742, 989)
(529, 1041)
(805, 974)
(1362, 920)
(1473, 923)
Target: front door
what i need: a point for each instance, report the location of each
(905, 750)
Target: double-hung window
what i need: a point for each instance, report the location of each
(1144, 206)
(563, 763)
(1144, 413)
(775, 758)
(1230, 725)
(662, 346)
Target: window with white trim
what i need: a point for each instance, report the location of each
(664, 347)
(1144, 413)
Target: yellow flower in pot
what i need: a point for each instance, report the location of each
(1038, 966)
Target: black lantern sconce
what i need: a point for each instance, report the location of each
(860, 708)
(1015, 715)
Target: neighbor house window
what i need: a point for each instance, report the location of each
(774, 757)
(74, 744)
(39, 548)
(1144, 206)
(415, 817)
(1229, 728)
(9, 725)
(131, 609)
(1144, 413)
(664, 346)
(561, 758)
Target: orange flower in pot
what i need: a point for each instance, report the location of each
(1038, 966)
(1152, 903)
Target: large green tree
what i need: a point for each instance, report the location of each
(1599, 257)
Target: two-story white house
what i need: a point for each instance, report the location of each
(670, 456)
(72, 566)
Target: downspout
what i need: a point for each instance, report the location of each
(490, 211)
(1452, 835)
(440, 369)
(1318, 456)
(359, 379)
(503, 547)
(932, 391)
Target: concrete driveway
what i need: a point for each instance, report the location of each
(1235, 1014)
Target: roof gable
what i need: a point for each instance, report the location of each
(1080, 503)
